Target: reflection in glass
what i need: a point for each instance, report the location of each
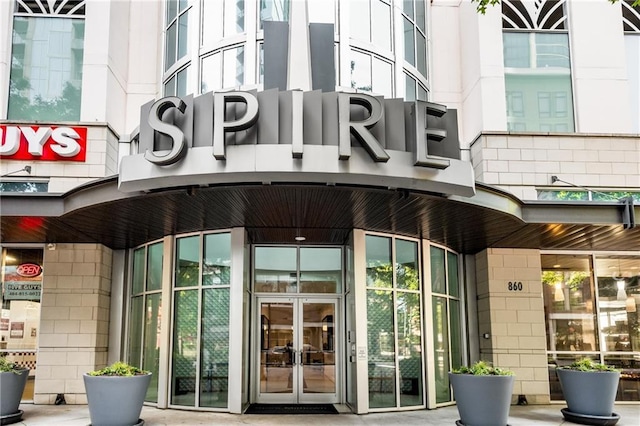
(360, 71)
(360, 28)
(276, 348)
(233, 67)
(378, 261)
(274, 10)
(410, 88)
(452, 274)
(438, 271)
(135, 331)
(211, 78)
(46, 69)
(233, 17)
(187, 261)
(381, 19)
(382, 76)
(441, 349)
(318, 356)
(421, 51)
(569, 303)
(409, 348)
(137, 282)
(154, 267)
(214, 356)
(409, 42)
(407, 275)
(151, 354)
(456, 334)
(275, 269)
(320, 270)
(170, 46)
(185, 351)
(381, 348)
(216, 264)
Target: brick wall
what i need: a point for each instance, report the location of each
(74, 328)
(513, 319)
(521, 163)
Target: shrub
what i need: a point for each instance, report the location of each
(7, 366)
(587, 364)
(119, 368)
(483, 368)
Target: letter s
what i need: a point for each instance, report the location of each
(66, 145)
(179, 148)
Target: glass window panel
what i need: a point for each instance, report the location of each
(423, 95)
(183, 5)
(275, 269)
(321, 11)
(360, 28)
(151, 355)
(135, 331)
(516, 49)
(217, 259)
(378, 261)
(170, 46)
(320, 270)
(421, 48)
(382, 77)
(212, 22)
(456, 334)
(410, 348)
(184, 360)
(233, 17)
(381, 349)
(629, 385)
(233, 63)
(24, 186)
(421, 20)
(181, 82)
(211, 77)
(154, 267)
(441, 349)
(187, 261)
(410, 88)
(438, 271)
(544, 105)
(183, 35)
(172, 10)
(407, 8)
(452, 274)
(569, 303)
(137, 282)
(381, 19)
(561, 360)
(552, 50)
(214, 361)
(360, 71)
(261, 63)
(632, 49)
(170, 86)
(409, 42)
(618, 299)
(46, 69)
(274, 10)
(407, 275)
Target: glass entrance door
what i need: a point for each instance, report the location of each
(297, 346)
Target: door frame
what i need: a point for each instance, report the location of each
(297, 396)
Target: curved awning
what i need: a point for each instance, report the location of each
(275, 213)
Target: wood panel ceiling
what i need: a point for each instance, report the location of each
(322, 214)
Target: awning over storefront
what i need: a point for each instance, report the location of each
(277, 213)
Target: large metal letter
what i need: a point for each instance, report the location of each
(179, 147)
(220, 126)
(359, 129)
(420, 110)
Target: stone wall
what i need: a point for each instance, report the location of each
(513, 319)
(74, 320)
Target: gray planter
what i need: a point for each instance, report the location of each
(116, 401)
(11, 389)
(590, 393)
(482, 400)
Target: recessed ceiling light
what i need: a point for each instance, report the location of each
(300, 238)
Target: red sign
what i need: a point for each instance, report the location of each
(29, 270)
(44, 143)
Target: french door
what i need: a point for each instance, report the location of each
(297, 350)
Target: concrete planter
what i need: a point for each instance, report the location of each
(116, 400)
(482, 400)
(11, 389)
(590, 393)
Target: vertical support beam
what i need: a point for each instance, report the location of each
(164, 368)
(236, 316)
(360, 290)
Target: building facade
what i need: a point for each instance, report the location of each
(275, 201)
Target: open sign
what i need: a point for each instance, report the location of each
(29, 270)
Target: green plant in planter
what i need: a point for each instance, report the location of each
(483, 368)
(587, 364)
(120, 369)
(7, 366)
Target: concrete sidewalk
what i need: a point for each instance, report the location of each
(76, 415)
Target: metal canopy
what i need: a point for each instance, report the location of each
(99, 213)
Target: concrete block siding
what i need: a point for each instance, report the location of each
(521, 163)
(74, 320)
(514, 318)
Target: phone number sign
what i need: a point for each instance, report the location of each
(22, 290)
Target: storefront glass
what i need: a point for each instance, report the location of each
(598, 321)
